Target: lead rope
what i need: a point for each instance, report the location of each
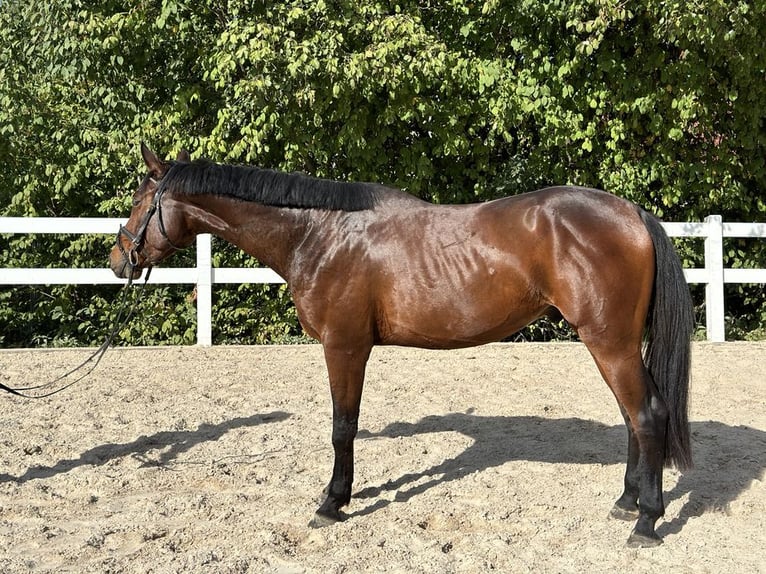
(98, 354)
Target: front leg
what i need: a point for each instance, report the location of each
(345, 367)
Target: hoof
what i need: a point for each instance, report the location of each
(322, 520)
(642, 541)
(623, 514)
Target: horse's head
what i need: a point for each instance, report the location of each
(155, 228)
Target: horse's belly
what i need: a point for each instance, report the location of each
(463, 319)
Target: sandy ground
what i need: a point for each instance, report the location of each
(505, 458)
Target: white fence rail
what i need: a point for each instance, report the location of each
(204, 275)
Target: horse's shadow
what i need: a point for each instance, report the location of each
(727, 458)
(170, 445)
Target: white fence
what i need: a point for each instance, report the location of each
(204, 275)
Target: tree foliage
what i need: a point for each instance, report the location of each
(453, 101)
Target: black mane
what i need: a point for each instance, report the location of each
(268, 187)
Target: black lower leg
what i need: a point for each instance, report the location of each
(339, 489)
(651, 438)
(651, 508)
(626, 507)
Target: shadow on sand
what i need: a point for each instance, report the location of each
(727, 458)
(176, 443)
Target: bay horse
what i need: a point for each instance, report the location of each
(369, 265)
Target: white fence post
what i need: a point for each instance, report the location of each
(714, 305)
(204, 290)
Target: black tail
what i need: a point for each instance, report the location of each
(668, 342)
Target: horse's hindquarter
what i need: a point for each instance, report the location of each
(601, 262)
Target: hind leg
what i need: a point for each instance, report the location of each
(646, 417)
(650, 430)
(626, 507)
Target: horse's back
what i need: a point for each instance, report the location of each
(570, 202)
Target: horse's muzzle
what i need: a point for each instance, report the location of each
(121, 267)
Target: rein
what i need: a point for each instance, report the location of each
(131, 261)
(97, 355)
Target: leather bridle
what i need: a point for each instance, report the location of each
(138, 238)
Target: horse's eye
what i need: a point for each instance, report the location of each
(136, 202)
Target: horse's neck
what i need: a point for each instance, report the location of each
(270, 234)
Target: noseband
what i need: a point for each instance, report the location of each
(137, 239)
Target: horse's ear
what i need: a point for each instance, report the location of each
(183, 156)
(156, 166)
